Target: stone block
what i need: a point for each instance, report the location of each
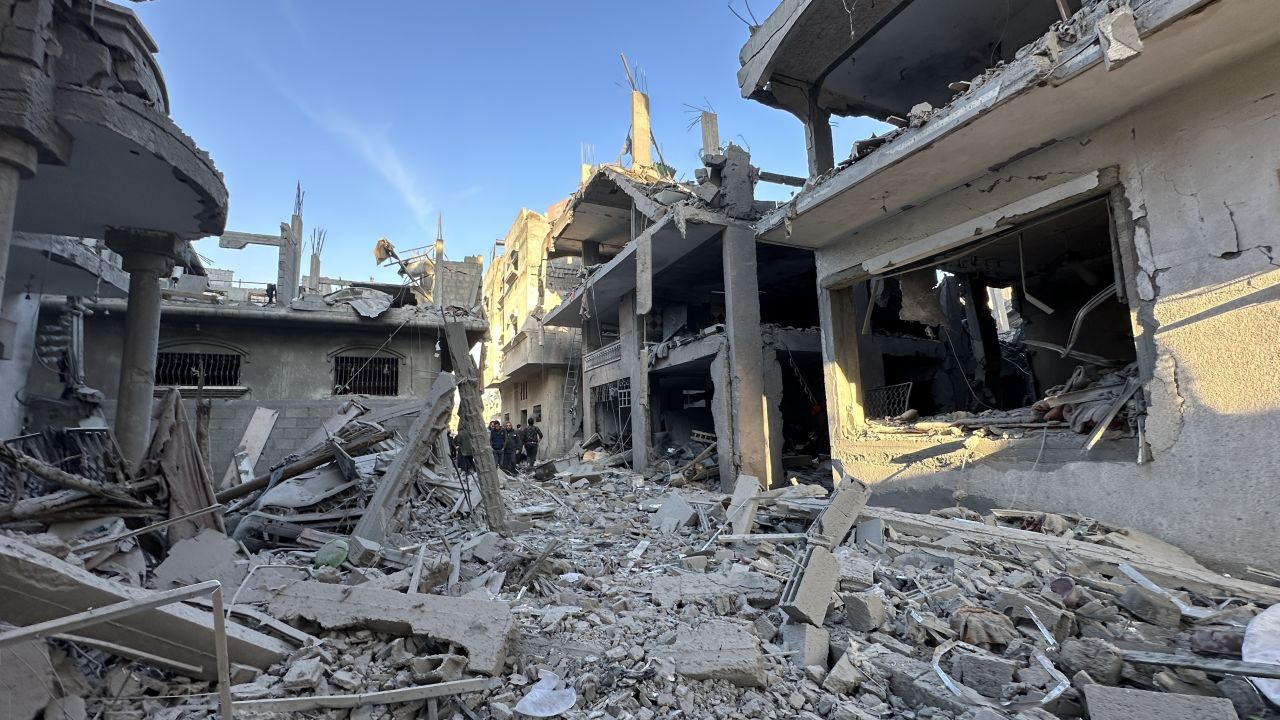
(304, 674)
(864, 612)
(1109, 703)
(1099, 658)
(809, 645)
(988, 674)
(674, 513)
(844, 678)
(717, 650)
(807, 594)
(1151, 607)
(857, 572)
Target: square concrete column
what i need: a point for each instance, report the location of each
(752, 446)
(148, 258)
(841, 370)
(631, 345)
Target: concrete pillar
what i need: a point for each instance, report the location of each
(840, 367)
(147, 264)
(21, 313)
(722, 417)
(17, 160)
(631, 344)
(641, 135)
(753, 448)
(817, 137)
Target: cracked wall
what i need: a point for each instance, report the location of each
(1199, 176)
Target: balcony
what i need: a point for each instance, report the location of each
(610, 353)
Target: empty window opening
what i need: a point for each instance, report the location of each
(357, 375)
(1003, 328)
(193, 369)
(611, 413)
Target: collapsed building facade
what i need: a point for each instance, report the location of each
(1052, 272)
(692, 335)
(533, 367)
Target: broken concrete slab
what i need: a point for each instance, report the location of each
(864, 612)
(39, 587)
(674, 513)
(210, 555)
(1151, 607)
(1119, 37)
(857, 572)
(1110, 703)
(809, 645)
(485, 629)
(742, 505)
(760, 590)
(844, 677)
(984, 672)
(718, 650)
(831, 527)
(807, 594)
(1099, 658)
(304, 674)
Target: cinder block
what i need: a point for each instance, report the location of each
(807, 594)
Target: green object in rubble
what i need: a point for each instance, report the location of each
(332, 553)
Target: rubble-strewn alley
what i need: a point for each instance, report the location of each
(612, 595)
(974, 423)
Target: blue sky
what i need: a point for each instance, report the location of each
(389, 112)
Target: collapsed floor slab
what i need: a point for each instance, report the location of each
(40, 587)
(484, 628)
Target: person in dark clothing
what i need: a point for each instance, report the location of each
(532, 436)
(496, 440)
(510, 445)
(466, 461)
(519, 444)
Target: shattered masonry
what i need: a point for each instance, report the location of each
(1037, 311)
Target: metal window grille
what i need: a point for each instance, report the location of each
(522, 391)
(888, 401)
(355, 375)
(183, 368)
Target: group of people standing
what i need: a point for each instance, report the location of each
(510, 446)
(513, 444)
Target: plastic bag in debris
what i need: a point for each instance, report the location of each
(1262, 645)
(544, 700)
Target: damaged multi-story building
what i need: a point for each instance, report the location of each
(692, 336)
(1052, 283)
(533, 367)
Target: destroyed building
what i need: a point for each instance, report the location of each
(363, 575)
(534, 367)
(1056, 270)
(686, 323)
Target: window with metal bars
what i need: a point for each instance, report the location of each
(357, 375)
(186, 368)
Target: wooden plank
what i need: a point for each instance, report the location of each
(251, 443)
(382, 697)
(1218, 666)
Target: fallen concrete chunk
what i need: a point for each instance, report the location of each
(304, 674)
(717, 650)
(675, 513)
(760, 590)
(1099, 658)
(1109, 703)
(808, 592)
(485, 629)
(210, 555)
(742, 506)
(809, 645)
(844, 678)
(38, 587)
(986, 673)
(1151, 607)
(856, 571)
(838, 518)
(864, 611)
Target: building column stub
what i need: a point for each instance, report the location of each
(752, 447)
(17, 160)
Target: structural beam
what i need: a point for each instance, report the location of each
(753, 448)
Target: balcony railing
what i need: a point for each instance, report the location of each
(598, 358)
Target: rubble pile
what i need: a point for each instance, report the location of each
(614, 595)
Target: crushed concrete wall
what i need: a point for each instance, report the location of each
(1199, 175)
